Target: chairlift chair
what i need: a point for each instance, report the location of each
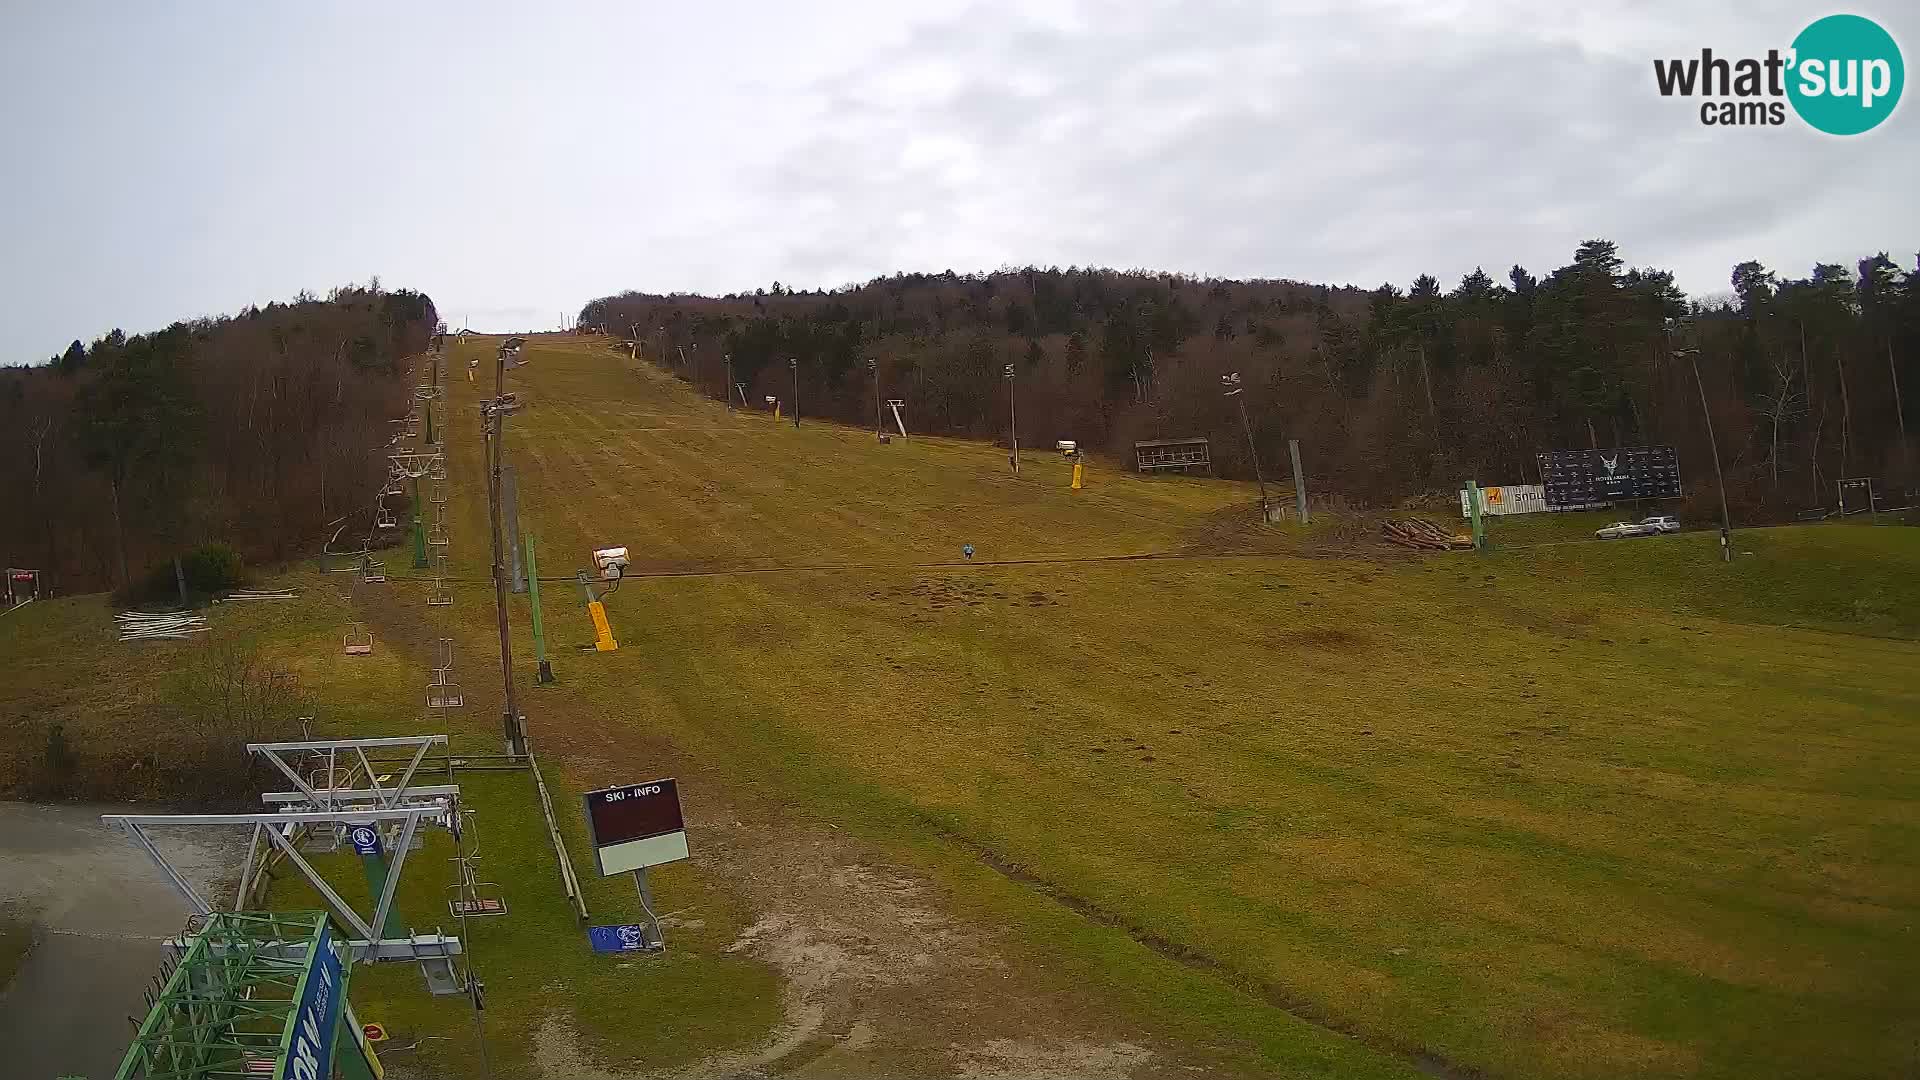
(440, 596)
(473, 899)
(383, 518)
(445, 695)
(358, 641)
(336, 561)
(372, 572)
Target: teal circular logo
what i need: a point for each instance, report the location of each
(1846, 75)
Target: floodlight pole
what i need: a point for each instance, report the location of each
(1013, 424)
(1231, 380)
(794, 363)
(1692, 353)
(874, 366)
(493, 423)
(726, 392)
(1713, 444)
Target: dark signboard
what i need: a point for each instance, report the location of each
(1582, 478)
(636, 825)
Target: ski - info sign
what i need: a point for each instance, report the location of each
(636, 826)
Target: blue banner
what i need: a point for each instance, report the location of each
(310, 1053)
(627, 937)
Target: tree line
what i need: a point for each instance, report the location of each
(1393, 392)
(253, 430)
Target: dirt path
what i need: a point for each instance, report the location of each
(881, 980)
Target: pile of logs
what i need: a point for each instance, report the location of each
(1423, 534)
(145, 626)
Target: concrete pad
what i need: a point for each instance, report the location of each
(99, 910)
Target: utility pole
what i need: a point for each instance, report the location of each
(1013, 424)
(726, 393)
(493, 416)
(1692, 353)
(794, 363)
(1231, 380)
(874, 367)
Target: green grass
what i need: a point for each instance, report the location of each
(535, 962)
(1567, 808)
(1583, 809)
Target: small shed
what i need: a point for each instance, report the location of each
(1180, 454)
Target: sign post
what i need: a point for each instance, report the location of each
(634, 827)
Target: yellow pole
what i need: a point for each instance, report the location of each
(1076, 474)
(602, 633)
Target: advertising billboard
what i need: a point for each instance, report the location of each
(1576, 479)
(310, 1054)
(1507, 499)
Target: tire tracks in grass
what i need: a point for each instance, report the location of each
(1267, 990)
(660, 461)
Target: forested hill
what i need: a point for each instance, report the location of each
(1392, 392)
(252, 430)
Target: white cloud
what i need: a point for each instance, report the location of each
(516, 161)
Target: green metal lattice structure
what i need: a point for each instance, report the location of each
(254, 994)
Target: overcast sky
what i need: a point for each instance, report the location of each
(165, 161)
